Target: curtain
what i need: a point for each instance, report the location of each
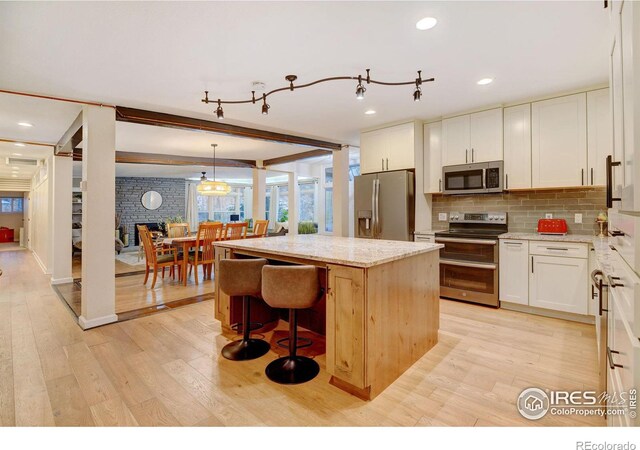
(192, 206)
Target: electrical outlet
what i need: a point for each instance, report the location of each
(548, 216)
(578, 218)
(442, 217)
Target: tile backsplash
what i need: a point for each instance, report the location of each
(524, 208)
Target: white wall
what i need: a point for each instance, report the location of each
(39, 207)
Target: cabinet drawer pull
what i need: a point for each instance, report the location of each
(440, 185)
(466, 155)
(564, 249)
(532, 264)
(513, 243)
(592, 176)
(506, 181)
(472, 159)
(613, 365)
(382, 163)
(582, 176)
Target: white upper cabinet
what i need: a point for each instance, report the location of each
(559, 141)
(485, 131)
(455, 141)
(472, 138)
(517, 147)
(433, 157)
(391, 148)
(599, 135)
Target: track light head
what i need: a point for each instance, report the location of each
(360, 90)
(219, 111)
(265, 106)
(204, 176)
(417, 94)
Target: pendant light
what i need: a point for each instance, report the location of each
(208, 187)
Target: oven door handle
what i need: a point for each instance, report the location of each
(467, 241)
(453, 262)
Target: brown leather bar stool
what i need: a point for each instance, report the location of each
(292, 287)
(243, 277)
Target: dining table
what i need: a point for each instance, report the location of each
(185, 243)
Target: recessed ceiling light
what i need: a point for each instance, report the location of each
(369, 112)
(19, 144)
(427, 23)
(15, 168)
(16, 154)
(485, 81)
(14, 176)
(25, 124)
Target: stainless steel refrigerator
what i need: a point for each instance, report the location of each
(384, 205)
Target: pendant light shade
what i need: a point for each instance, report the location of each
(213, 187)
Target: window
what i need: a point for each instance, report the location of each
(10, 205)
(203, 208)
(283, 203)
(307, 202)
(328, 210)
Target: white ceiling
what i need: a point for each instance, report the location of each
(162, 55)
(50, 119)
(21, 171)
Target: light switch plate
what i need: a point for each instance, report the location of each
(578, 218)
(548, 216)
(442, 217)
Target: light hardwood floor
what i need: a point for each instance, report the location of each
(165, 369)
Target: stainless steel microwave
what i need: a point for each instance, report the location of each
(475, 178)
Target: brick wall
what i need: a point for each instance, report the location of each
(526, 207)
(129, 192)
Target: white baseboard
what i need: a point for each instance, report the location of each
(55, 281)
(40, 263)
(548, 313)
(86, 324)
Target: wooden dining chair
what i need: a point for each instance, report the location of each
(260, 228)
(155, 257)
(235, 231)
(204, 255)
(175, 230)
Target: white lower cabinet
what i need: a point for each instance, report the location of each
(514, 269)
(545, 274)
(558, 283)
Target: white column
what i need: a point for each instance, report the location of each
(61, 220)
(294, 201)
(259, 193)
(341, 192)
(98, 218)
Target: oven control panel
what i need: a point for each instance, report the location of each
(478, 217)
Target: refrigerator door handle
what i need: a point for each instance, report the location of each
(377, 229)
(373, 209)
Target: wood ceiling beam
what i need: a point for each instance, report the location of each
(132, 115)
(69, 140)
(172, 160)
(296, 157)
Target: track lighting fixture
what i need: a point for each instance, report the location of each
(360, 90)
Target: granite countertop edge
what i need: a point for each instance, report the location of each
(575, 238)
(362, 262)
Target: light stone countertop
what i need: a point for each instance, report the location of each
(575, 238)
(332, 249)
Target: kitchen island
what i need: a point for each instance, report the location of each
(382, 310)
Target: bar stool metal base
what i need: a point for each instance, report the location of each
(292, 370)
(244, 350)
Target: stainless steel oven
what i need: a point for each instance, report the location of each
(475, 178)
(469, 261)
